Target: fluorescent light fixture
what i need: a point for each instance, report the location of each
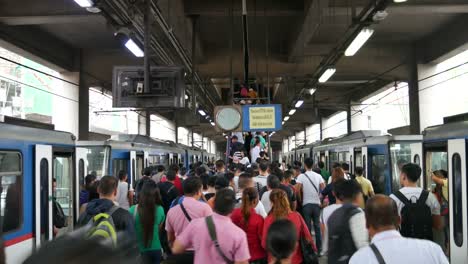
(327, 74)
(212, 123)
(292, 112)
(282, 123)
(85, 3)
(312, 91)
(133, 47)
(396, 1)
(186, 97)
(299, 103)
(286, 118)
(201, 112)
(359, 41)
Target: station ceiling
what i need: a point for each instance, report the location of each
(302, 37)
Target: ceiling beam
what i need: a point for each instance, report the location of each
(45, 19)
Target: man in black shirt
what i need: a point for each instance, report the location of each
(168, 190)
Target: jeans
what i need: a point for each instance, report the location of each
(311, 213)
(151, 257)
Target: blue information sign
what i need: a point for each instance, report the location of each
(261, 117)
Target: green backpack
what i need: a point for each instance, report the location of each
(102, 227)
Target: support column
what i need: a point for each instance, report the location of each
(413, 93)
(83, 104)
(348, 117)
(141, 123)
(320, 123)
(176, 132)
(148, 123)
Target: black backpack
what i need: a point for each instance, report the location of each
(341, 245)
(59, 218)
(416, 218)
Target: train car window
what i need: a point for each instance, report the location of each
(351, 164)
(400, 154)
(140, 166)
(98, 160)
(364, 165)
(377, 173)
(417, 160)
(63, 173)
(457, 200)
(81, 172)
(133, 170)
(333, 159)
(44, 178)
(358, 158)
(118, 165)
(435, 160)
(12, 192)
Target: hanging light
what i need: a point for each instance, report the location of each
(359, 41)
(133, 47)
(299, 103)
(292, 111)
(286, 118)
(312, 91)
(327, 74)
(201, 112)
(85, 3)
(282, 123)
(399, 1)
(212, 123)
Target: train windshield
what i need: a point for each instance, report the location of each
(400, 154)
(98, 159)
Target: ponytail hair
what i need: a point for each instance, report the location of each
(280, 204)
(249, 195)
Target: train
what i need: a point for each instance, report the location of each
(438, 147)
(33, 154)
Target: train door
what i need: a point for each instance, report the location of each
(458, 200)
(66, 190)
(43, 194)
(145, 159)
(133, 167)
(350, 160)
(327, 161)
(81, 161)
(416, 157)
(364, 158)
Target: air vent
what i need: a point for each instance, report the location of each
(456, 118)
(27, 123)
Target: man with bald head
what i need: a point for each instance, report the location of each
(387, 245)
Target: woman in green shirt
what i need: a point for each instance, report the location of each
(149, 217)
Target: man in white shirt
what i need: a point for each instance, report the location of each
(409, 176)
(124, 195)
(273, 182)
(347, 225)
(255, 151)
(308, 186)
(387, 244)
(263, 174)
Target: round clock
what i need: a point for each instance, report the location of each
(228, 118)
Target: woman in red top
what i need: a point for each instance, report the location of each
(280, 210)
(246, 218)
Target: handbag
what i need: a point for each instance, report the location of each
(308, 253)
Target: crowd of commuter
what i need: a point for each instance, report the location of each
(263, 212)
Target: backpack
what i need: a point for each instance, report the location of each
(340, 240)
(416, 218)
(60, 220)
(102, 227)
